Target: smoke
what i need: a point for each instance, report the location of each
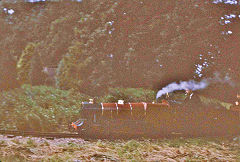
(217, 79)
(193, 85)
(183, 85)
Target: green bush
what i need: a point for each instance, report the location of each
(39, 108)
(214, 102)
(129, 95)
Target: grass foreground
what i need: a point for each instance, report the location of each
(179, 149)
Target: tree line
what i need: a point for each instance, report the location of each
(94, 45)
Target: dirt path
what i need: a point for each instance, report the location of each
(40, 149)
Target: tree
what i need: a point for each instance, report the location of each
(24, 63)
(123, 43)
(68, 71)
(36, 75)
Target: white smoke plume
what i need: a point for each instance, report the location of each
(193, 85)
(183, 85)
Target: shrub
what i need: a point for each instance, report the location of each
(214, 102)
(31, 143)
(39, 108)
(129, 95)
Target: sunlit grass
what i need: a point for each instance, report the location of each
(180, 149)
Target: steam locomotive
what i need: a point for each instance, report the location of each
(153, 120)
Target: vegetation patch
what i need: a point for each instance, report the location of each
(216, 102)
(68, 149)
(129, 95)
(39, 108)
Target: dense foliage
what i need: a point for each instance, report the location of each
(102, 44)
(129, 95)
(39, 108)
(43, 108)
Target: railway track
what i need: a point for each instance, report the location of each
(53, 135)
(39, 134)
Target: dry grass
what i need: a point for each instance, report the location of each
(180, 149)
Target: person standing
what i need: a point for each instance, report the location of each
(188, 94)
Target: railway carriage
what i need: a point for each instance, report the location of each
(149, 120)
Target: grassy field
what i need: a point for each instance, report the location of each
(180, 149)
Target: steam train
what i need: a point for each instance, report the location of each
(153, 120)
